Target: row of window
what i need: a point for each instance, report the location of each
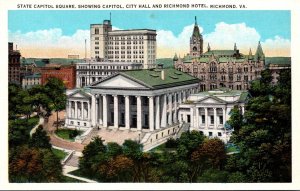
(103, 67)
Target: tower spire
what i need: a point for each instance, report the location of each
(208, 48)
(235, 48)
(196, 20)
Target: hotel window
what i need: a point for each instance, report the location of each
(210, 134)
(219, 134)
(96, 30)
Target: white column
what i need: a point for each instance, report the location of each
(179, 97)
(96, 108)
(175, 110)
(197, 118)
(76, 116)
(157, 117)
(116, 111)
(127, 112)
(100, 110)
(215, 118)
(164, 112)
(192, 118)
(69, 109)
(91, 111)
(206, 117)
(104, 110)
(170, 109)
(151, 113)
(224, 115)
(243, 110)
(139, 112)
(82, 110)
(88, 111)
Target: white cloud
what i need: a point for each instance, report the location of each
(223, 37)
(168, 43)
(277, 46)
(50, 38)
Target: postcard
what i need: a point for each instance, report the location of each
(149, 95)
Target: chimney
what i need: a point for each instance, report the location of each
(162, 74)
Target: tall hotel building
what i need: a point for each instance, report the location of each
(135, 45)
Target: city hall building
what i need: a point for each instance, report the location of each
(135, 45)
(143, 100)
(220, 68)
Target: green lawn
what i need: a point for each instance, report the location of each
(65, 134)
(59, 153)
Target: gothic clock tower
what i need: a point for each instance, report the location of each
(196, 41)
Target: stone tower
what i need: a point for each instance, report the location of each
(196, 41)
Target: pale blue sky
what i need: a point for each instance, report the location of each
(267, 23)
(35, 30)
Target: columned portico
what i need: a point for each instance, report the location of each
(145, 102)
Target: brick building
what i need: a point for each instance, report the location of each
(66, 73)
(14, 64)
(220, 68)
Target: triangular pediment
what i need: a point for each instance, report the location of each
(211, 100)
(79, 94)
(119, 81)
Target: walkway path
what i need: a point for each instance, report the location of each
(41, 122)
(56, 141)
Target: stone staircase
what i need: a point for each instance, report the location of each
(93, 133)
(73, 161)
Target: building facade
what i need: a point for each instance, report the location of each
(136, 45)
(220, 68)
(208, 112)
(276, 65)
(66, 73)
(14, 65)
(90, 72)
(142, 100)
(31, 80)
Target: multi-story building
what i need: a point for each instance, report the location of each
(87, 73)
(66, 73)
(276, 65)
(14, 64)
(208, 112)
(136, 45)
(138, 100)
(220, 68)
(31, 80)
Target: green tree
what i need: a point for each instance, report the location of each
(134, 151)
(34, 165)
(264, 137)
(92, 155)
(55, 90)
(40, 139)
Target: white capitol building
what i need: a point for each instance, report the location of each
(155, 102)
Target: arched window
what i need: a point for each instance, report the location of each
(213, 67)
